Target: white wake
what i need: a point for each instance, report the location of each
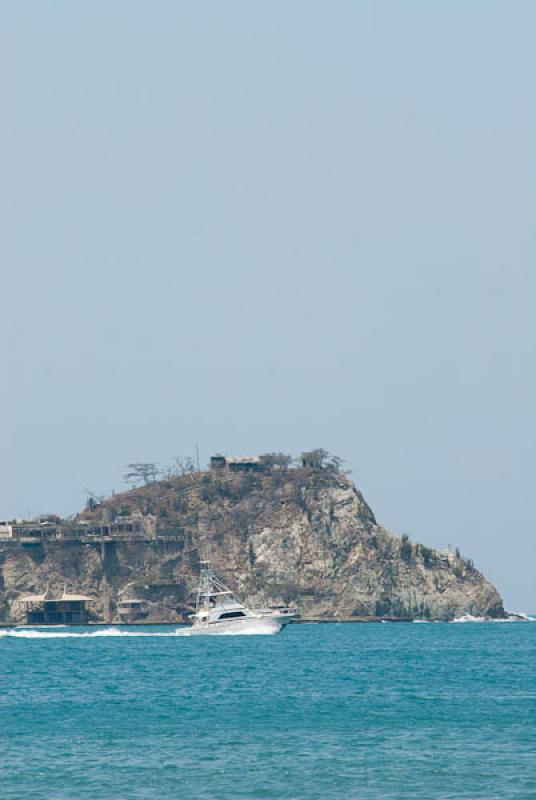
(54, 633)
(21, 633)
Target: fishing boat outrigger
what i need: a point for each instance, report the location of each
(218, 610)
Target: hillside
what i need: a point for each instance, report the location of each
(300, 536)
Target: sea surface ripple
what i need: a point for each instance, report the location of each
(358, 712)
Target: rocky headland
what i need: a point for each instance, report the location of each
(279, 536)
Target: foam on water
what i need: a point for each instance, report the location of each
(56, 633)
(513, 618)
(22, 633)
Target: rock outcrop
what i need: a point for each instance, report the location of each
(286, 536)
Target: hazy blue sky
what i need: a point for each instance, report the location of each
(275, 226)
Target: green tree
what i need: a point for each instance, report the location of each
(276, 460)
(406, 548)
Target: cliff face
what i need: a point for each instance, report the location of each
(297, 536)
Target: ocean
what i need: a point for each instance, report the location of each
(358, 712)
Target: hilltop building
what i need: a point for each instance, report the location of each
(310, 460)
(219, 463)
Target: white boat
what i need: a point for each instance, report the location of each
(219, 611)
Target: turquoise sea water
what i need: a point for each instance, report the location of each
(319, 711)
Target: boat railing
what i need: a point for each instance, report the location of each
(283, 611)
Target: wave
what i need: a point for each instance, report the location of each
(20, 633)
(509, 618)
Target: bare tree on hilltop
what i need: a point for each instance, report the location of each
(141, 473)
(180, 465)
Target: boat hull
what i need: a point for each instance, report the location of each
(260, 626)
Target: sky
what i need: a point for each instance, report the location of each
(275, 226)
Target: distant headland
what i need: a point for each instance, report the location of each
(280, 531)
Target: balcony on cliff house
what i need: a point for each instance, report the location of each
(132, 527)
(43, 609)
(28, 532)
